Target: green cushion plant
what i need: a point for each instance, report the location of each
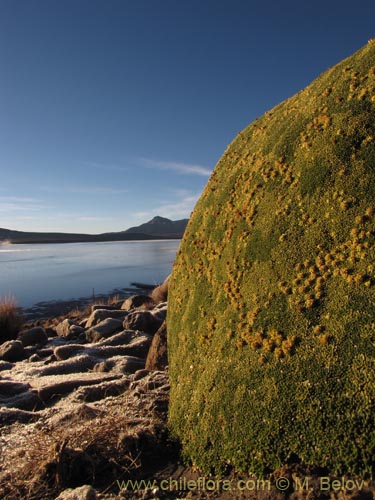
(271, 320)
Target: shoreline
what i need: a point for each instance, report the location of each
(7, 243)
(45, 310)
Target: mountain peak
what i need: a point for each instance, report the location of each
(161, 226)
(159, 220)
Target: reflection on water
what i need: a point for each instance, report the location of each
(35, 273)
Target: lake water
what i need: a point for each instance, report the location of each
(36, 273)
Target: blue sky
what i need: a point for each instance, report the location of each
(114, 111)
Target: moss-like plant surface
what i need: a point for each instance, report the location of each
(271, 320)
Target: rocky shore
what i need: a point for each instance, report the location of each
(83, 415)
(81, 397)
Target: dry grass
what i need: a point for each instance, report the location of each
(108, 301)
(117, 438)
(93, 446)
(10, 318)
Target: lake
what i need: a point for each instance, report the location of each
(45, 272)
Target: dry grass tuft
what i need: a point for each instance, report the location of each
(10, 318)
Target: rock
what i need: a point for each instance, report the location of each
(101, 391)
(12, 350)
(78, 364)
(120, 364)
(126, 364)
(104, 329)
(140, 374)
(44, 353)
(271, 301)
(160, 293)
(28, 401)
(29, 351)
(50, 332)
(9, 416)
(83, 322)
(33, 336)
(138, 346)
(156, 380)
(58, 389)
(99, 315)
(142, 320)
(9, 388)
(5, 365)
(63, 328)
(122, 338)
(67, 351)
(161, 305)
(85, 492)
(157, 358)
(76, 331)
(82, 338)
(103, 367)
(137, 301)
(160, 312)
(34, 358)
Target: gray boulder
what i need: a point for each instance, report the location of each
(122, 364)
(140, 374)
(104, 329)
(137, 301)
(9, 416)
(9, 388)
(34, 358)
(28, 401)
(33, 336)
(78, 364)
(145, 321)
(67, 351)
(5, 365)
(122, 344)
(91, 393)
(160, 312)
(61, 388)
(122, 338)
(12, 350)
(100, 314)
(64, 329)
(75, 330)
(161, 305)
(85, 492)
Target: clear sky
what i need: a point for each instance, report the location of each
(114, 111)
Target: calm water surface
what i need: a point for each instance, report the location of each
(35, 273)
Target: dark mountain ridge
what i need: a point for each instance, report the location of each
(160, 226)
(157, 228)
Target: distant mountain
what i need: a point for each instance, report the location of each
(160, 226)
(157, 228)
